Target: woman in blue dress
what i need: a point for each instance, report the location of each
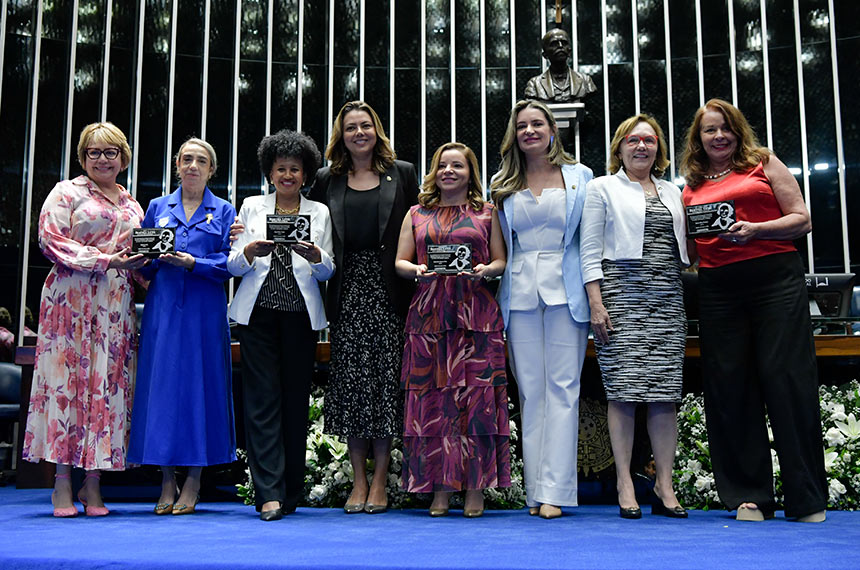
(183, 407)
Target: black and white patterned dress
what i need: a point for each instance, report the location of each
(644, 359)
(363, 398)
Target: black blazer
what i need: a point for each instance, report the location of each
(397, 193)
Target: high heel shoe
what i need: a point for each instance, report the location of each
(629, 512)
(534, 511)
(166, 508)
(658, 508)
(272, 515)
(438, 511)
(372, 509)
(184, 509)
(92, 511)
(548, 511)
(63, 512)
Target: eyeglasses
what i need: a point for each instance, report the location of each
(110, 153)
(634, 140)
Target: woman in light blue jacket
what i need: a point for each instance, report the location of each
(540, 193)
(633, 246)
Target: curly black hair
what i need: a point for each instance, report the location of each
(289, 144)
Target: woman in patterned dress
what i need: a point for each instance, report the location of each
(368, 192)
(633, 245)
(456, 432)
(80, 403)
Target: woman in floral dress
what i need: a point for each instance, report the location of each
(456, 432)
(80, 403)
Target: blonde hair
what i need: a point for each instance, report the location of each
(430, 194)
(748, 152)
(661, 162)
(338, 155)
(106, 133)
(213, 159)
(511, 176)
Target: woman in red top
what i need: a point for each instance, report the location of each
(756, 338)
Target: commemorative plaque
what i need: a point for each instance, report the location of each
(449, 259)
(288, 228)
(152, 242)
(711, 218)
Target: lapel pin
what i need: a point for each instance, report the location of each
(208, 218)
(388, 178)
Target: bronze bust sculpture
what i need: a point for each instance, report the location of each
(559, 83)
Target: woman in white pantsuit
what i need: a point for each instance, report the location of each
(540, 193)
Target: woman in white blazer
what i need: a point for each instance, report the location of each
(279, 308)
(633, 246)
(540, 192)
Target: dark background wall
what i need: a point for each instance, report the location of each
(435, 70)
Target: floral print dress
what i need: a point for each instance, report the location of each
(456, 431)
(80, 402)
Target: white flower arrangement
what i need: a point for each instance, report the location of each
(840, 429)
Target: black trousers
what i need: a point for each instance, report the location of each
(758, 357)
(278, 350)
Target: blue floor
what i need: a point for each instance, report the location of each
(229, 535)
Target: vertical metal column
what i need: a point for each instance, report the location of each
(803, 142)
(31, 155)
(70, 94)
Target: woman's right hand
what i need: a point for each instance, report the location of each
(258, 248)
(121, 260)
(421, 273)
(601, 324)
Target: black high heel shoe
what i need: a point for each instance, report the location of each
(629, 512)
(658, 508)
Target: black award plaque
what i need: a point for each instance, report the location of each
(449, 259)
(711, 218)
(288, 228)
(152, 242)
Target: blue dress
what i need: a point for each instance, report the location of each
(183, 403)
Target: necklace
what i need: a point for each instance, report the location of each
(285, 211)
(718, 175)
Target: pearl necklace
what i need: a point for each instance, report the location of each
(718, 175)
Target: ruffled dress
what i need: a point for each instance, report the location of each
(456, 432)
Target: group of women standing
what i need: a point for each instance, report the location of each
(421, 353)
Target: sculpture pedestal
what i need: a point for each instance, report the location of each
(567, 117)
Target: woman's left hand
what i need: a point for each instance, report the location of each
(740, 232)
(179, 259)
(478, 272)
(308, 250)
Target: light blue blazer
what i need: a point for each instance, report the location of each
(576, 176)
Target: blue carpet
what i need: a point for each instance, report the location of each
(229, 535)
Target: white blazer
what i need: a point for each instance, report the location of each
(308, 275)
(613, 221)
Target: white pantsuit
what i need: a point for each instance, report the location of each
(547, 348)
(546, 316)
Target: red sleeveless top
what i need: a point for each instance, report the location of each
(754, 202)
